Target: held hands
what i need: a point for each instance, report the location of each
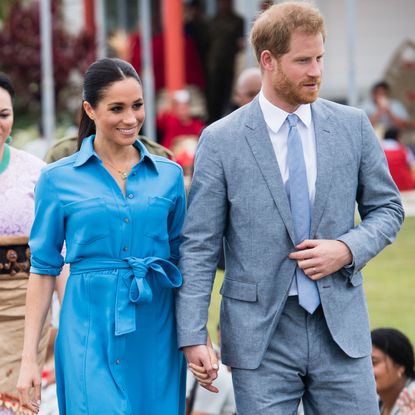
(203, 363)
(29, 386)
(321, 257)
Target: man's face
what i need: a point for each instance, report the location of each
(297, 75)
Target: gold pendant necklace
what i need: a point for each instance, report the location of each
(122, 173)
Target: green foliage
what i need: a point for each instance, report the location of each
(390, 283)
(20, 55)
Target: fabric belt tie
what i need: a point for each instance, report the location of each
(133, 287)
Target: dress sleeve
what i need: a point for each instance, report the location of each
(176, 219)
(47, 235)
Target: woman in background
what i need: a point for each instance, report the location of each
(393, 366)
(19, 172)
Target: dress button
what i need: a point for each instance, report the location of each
(118, 361)
(125, 248)
(130, 196)
(126, 220)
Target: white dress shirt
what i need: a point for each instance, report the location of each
(277, 125)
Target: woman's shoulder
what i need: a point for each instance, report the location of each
(25, 161)
(166, 164)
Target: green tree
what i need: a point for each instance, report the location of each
(20, 54)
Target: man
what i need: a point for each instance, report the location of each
(293, 314)
(247, 87)
(225, 40)
(385, 112)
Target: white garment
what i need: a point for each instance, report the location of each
(275, 119)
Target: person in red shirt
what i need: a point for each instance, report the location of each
(176, 120)
(401, 160)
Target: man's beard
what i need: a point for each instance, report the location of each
(295, 94)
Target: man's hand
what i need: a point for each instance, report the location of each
(321, 257)
(203, 363)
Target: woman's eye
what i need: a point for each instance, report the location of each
(137, 106)
(116, 109)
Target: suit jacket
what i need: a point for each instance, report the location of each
(237, 193)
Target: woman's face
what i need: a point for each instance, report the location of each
(387, 372)
(6, 115)
(119, 115)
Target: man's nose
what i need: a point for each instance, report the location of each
(315, 69)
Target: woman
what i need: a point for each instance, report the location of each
(120, 211)
(393, 366)
(19, 172)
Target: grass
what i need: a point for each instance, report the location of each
(389, 281)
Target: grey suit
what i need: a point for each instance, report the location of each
(237, 193)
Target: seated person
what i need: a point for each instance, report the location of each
(401, 160)
(176, 120)
(393, 367)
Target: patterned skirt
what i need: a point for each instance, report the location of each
(14, 273)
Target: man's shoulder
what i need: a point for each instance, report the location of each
(234, 121)
(336, 107)
(63, 148)
(334, 110)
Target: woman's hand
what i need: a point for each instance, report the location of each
(199, 369)
(29, 385)
(201, 374)
(406, 402)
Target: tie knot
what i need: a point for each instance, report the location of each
(292, 120)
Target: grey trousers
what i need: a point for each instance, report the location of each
(303, 362)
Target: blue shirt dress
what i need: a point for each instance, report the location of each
(116, 350)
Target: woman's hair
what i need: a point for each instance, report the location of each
(7, 85)
(273, 28)
(397, 346)
(98, 78)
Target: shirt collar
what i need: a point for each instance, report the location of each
(87, 151)
(275, 116)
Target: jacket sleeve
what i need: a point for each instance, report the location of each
(201, 242)
(378, 202)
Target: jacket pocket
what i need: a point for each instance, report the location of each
(238, 290)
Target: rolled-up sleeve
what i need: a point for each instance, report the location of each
(47, 234)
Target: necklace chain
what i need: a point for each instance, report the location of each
(123, 173)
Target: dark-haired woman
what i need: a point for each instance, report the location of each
(393, 366)
(120, 211)
(19, 172)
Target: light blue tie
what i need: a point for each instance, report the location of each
(308, 295)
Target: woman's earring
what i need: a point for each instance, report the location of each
(9, 139)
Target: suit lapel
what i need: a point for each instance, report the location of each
(260, 144)
(325, 156)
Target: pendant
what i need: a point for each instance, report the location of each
(124, 175)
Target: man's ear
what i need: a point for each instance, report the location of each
(267, 60)
(88, 109)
